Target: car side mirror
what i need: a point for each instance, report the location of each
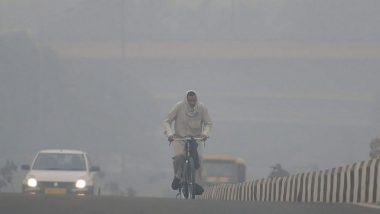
(25, 167)
(94, 169)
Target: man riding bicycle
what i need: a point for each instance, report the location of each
(190, 119)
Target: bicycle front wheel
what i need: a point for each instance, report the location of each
(191, 178)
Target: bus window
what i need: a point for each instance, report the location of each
(219, 169)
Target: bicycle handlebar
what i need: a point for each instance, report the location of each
(189, 138)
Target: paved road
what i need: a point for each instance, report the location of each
(17, 203)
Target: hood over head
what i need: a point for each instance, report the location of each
(191, 111)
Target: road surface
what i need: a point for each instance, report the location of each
(18, 203)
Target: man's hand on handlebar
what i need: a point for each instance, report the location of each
(204, 137)
(171, 138)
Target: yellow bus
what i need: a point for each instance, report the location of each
(219, 169)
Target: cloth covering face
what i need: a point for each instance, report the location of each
(187, 120)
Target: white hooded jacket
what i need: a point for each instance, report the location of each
(188, 121)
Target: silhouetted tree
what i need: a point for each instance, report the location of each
(6, 174)
(278, 171)
(375, 148)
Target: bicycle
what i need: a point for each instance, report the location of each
(187, 183)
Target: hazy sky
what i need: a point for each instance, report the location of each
(292, 82)
(299, 20)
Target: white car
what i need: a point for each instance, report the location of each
(66, 172)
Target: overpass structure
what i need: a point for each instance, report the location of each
(215, 50)
(347, 189)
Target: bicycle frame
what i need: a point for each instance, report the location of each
(187, 183)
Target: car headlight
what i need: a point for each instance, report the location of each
(80, 184)
(32, 182)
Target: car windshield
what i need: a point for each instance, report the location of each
(59, 161)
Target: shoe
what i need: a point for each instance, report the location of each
(175, 183)
(198, 189)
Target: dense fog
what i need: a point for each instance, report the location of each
(291, 82)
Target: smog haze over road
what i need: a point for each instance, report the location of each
(291, 82)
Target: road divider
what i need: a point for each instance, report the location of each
(355, 183)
